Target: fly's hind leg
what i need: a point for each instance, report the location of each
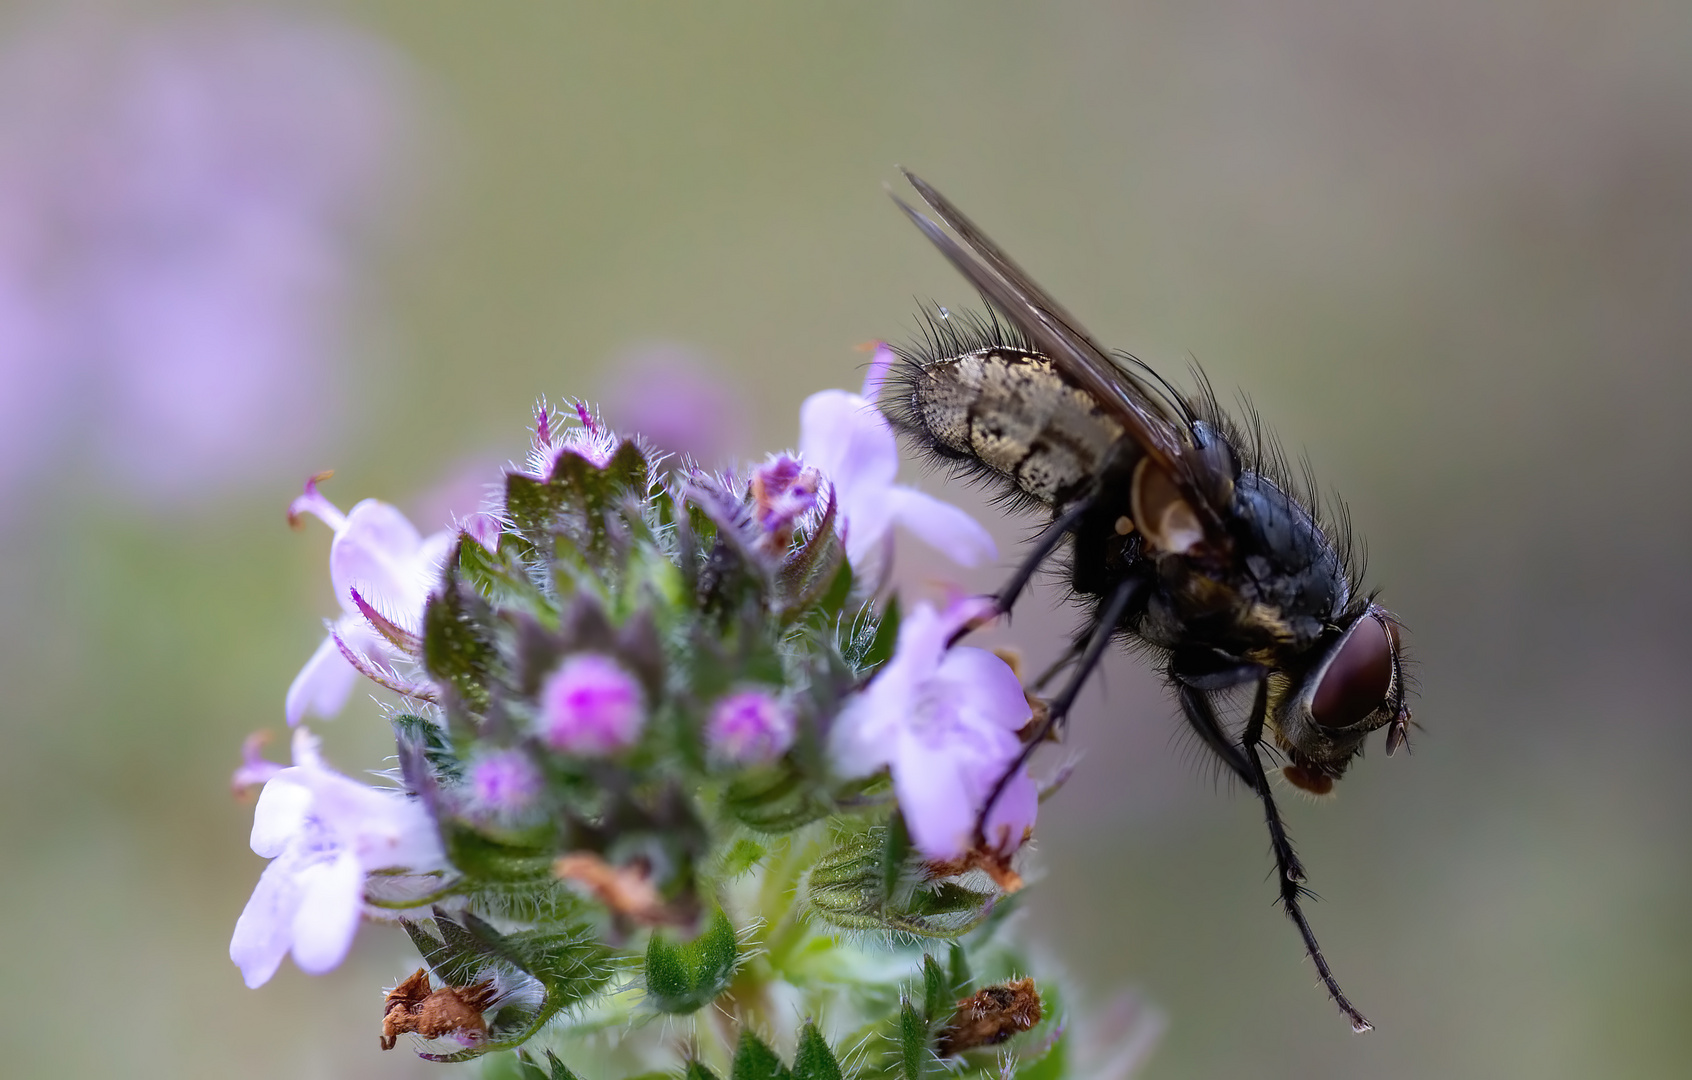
(1041, 550)
(1110, 615)
(1288, 869)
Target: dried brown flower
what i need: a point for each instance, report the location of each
(413, 1006)
(626, 890)
(991, 1016)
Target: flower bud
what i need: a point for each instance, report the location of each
(749, 727)
(503, 785)
(591, 707)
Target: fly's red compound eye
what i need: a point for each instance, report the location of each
(1358, 678)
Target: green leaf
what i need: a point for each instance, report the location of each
(457, 646)
(559, 1072)
(773, 800)
(682, 978)
(848, 887)
(895, 855)
(697, 1071)
(813, 1060)
(437, 746)
(880, 649)
(744, 854)
(937, 1000)
(1051, 1065)
(452, 965)
(755, 1061)
(957, 963)
(571, 965)
(913, 1041)
(483, 859)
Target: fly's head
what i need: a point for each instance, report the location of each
(1354, 685)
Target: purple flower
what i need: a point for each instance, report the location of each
(670, 395)
(782, 490)
(392, 567)
(323, 833)
(844, 435)
(254, 771)
(181, 207)
(945, 721)
(503, 785)
(749, 727)
(591, 707)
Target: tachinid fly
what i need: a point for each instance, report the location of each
(1187, 535)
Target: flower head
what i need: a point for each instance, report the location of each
(749, 727)
(844, 435)
(591, 707)
(945, 721)
(381, 557)
(323, 833)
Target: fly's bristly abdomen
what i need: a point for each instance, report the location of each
(974, 393)
(1015, 414)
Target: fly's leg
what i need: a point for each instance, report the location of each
(1287, 866)
(1103, 630)
(1201, 716)
(1042, 548)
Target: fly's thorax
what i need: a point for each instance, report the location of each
(1017, 415)
(1283, 561)
(1269, 600)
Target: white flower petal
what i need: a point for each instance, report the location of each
(843, 435)
(279, 814)
(264, 931)
(331, 900)
(938, 806)
(1013, 815)
(322, 686)
(376, 553)
(984, 688)
(941, 526)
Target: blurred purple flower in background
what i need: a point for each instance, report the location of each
(676, 399)
(945, 721)
(181, 202)
(323, 832)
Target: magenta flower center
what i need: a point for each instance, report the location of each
(591, 707)
(749, 727)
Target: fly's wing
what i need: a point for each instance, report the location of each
(1057, 333)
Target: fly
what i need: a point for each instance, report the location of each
(1187, 536)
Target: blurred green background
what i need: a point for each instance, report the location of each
(1446, 247)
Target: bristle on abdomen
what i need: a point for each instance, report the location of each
(1011, 411)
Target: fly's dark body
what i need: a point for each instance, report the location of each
(1187, 535)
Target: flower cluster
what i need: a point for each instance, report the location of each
(662, 736)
